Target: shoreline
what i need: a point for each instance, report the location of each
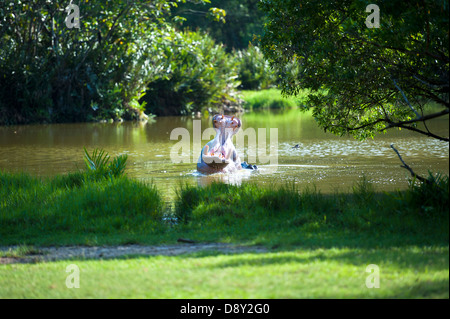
(53, 253)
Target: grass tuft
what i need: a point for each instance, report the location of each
(269, 99)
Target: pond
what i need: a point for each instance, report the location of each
(321, 160)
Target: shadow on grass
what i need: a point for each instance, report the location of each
(412, 258)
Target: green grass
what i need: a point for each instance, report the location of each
(20, 251)
(411, 272)
(286, 216)
(79, 209)
(75, 209)
(268, 99)
(320, 244)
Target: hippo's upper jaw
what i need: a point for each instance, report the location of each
(219, 155)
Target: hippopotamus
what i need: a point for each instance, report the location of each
(219, 155)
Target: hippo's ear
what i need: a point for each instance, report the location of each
(206, 150)
(215, 120)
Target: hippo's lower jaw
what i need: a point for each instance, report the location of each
(211, 163)
(216, 162)
(213, 168)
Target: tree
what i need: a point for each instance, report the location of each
(242, 20)
(363, 80)
(200, 75)
(50, 72)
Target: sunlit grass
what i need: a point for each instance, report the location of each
(268, 99)
(19, 251)
(410, 272)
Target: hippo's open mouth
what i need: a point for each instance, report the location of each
(220, 152)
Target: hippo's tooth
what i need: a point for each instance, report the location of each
(208, 160)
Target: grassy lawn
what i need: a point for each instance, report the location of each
(411, 272)
(319, 244)
(268, 99)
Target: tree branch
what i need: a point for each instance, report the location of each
(403, 124)
(433, 86)
(445, 139)
(441, 57)
(406, 99)
(422, 119)
(406, 166)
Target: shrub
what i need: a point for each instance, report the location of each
(98, 163)
(241, 202)
(50, 73)
(430, 197)
(254, 70)
(46, 208)
(199, 74)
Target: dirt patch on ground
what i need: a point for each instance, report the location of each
(46, 254)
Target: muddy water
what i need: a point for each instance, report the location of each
(323, 160)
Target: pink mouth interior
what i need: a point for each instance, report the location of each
(226, 126)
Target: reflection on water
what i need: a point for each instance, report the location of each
(321, 159)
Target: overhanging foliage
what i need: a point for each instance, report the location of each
(363, 80)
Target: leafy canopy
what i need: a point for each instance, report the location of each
(363, 80)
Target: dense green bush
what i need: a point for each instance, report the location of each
(199, 74)
(255, 72)
(52, 73)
